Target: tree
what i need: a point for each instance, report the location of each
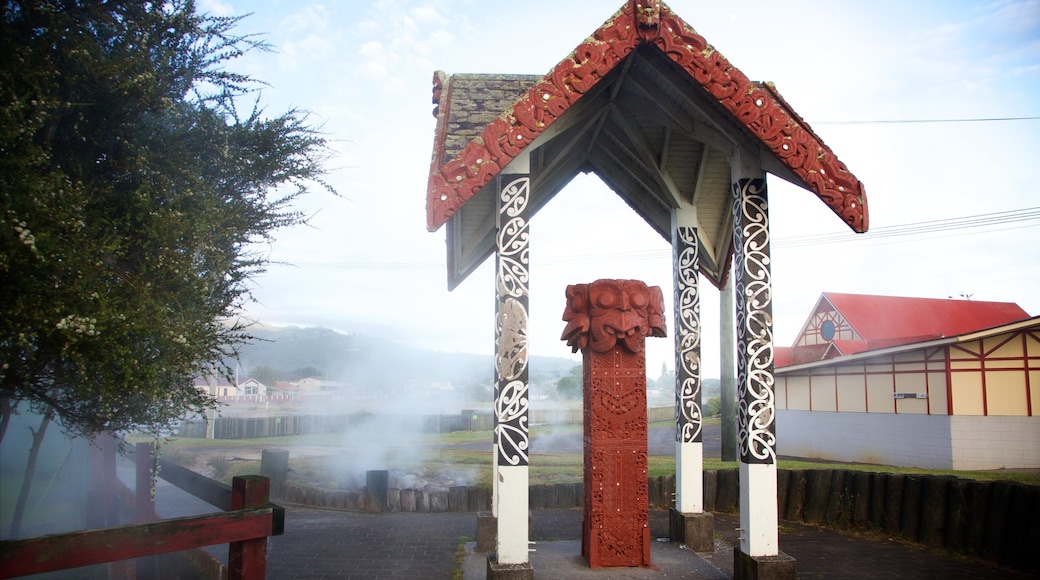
(266, 374)
(713, 407)
(305, 372)
(132, 192)
(569, 387)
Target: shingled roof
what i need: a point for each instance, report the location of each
(650, 107)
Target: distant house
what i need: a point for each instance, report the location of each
(951, 384)
(284, 387)
(216, 386)
(252, 386)
(315, 385)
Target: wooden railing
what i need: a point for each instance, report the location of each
(249, 518)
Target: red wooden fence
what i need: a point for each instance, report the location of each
(245, 525)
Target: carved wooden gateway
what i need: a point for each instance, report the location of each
(608, 322)
(686, 139)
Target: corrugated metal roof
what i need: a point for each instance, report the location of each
(884, 319)
(884, 322)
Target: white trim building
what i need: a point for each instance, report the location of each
(967, 402)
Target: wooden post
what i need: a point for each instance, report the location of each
(758, 555)
(144, 503)
(247, 560)
(512, 375)
(96, 490)
(689, 442)
(110, 480)
(608, 321)
(113, 506)
(274, 465)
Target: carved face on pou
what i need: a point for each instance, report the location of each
(600, 314)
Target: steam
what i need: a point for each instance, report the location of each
(58, 489)
(396, 443)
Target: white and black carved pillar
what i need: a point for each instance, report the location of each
(511, 370)
(689, 453)
(756, 439)
(688, 522)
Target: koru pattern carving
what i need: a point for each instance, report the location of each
(608, 321)
(685, 252)
(511, 372)
(757, 106)
(756, 408)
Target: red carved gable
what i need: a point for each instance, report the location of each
(756, 106)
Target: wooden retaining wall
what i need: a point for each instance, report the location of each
(994, 520)
(467, 420)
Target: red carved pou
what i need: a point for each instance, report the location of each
(608, 321)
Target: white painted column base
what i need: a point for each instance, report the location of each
(513, 511)
(494, 480)
(758, 510)
(689, 477)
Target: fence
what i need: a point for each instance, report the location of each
(466, 420)
(280, 398)
(249, 518)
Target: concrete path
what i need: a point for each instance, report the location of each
(336, 544)
(327, 544)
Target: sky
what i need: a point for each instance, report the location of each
(855, 71)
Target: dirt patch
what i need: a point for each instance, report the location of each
(202, 459)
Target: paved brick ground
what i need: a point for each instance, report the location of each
(336, 544)
(320, 544)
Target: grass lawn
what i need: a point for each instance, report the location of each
(442, 458)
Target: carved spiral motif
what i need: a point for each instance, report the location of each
(513, 239)
(511, 370)
(686, 253)
(756, 408)
(511, 410)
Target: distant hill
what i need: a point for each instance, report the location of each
(372, 360)
(711, 388)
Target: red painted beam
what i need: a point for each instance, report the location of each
(63, 551)
(247, 559)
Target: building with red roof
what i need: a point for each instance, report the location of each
(844, 324)
(952, 384)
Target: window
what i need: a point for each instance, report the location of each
(827, 330)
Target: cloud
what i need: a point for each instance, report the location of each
(215, 8)
(376, 60)
(398, 39)
(305, 38)
(995, 41)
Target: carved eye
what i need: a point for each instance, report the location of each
(605, 300)
(639, 300)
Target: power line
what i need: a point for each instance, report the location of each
(1022, 217)
(920, 121)
(915, 228)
